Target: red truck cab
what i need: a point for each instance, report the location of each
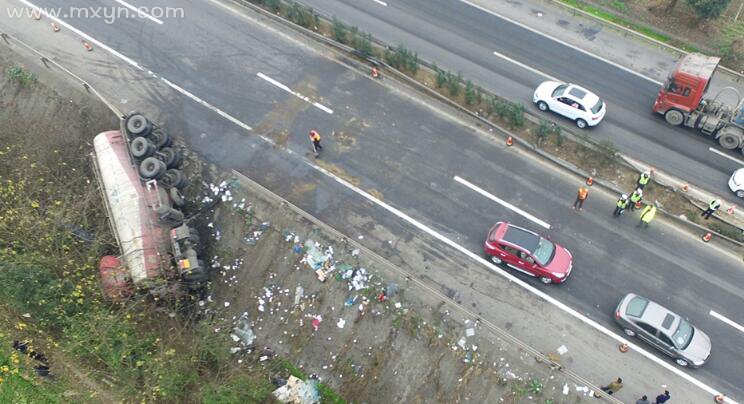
(686, 85)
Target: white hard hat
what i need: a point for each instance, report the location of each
(624, 196)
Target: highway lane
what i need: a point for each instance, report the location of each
(410, 154)
(459, 37)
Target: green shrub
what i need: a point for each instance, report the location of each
(402, 59)
(301, 15)
(542, 131)
(453, 83)
(363, 43)
(272, 5)
(516, 115)
(501, 108)
(241, 389)
(470, 96)
(727, 230)
(441, 76)
(21, 75)
(340, 31)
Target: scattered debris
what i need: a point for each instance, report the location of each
(297, 391)
(243, 331)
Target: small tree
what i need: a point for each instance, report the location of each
(441, 76)
(708, 9)
(516, 115)
(339, 31)
(453, 83)
(470, 95)
(542, 131)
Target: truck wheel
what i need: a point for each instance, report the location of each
(177, 197)
(674, 117)
(160, 137)
(195, 276)
(171, 157)
(152, 168)
(728, 141)
(193, 236)
(137, 125)
(173, 179)
(141, 147)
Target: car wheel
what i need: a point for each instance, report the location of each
(496, 260)
(629, 332)
(682, 362)
(542, 106)
(740, 193)
(674, 117)
(581, 123)
(546, 280)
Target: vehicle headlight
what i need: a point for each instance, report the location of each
(559, 275)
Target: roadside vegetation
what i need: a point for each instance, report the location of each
(52, 233)
(599, 160)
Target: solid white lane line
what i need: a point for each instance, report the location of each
(722, 154)
(139, 11)
(524, 66)
(296, 94)
(431, 232)
(207, 105)
(727, 321)
(501, 202)
(380, 2)
(83, 35)
(576, 48)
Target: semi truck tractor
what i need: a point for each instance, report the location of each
(684, 100)
(137, 173)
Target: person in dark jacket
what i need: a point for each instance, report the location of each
(643, 400)
(663, 398)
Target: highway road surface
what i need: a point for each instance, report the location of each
(395, 168)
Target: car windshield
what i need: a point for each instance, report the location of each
(544, 251)
(683, 335)
(597, 107)
(559, 91)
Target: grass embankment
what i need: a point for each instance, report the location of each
(52, 233)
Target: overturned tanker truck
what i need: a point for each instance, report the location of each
(137, 169)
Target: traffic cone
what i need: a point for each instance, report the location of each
(685, 188)
(375, 73)
(509, 141)
(707, 236)
(623, 348)
(55, 28)
(87, 46)
(730, 210)
(590, 181)
(638, 205)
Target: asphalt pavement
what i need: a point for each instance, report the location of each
(460, 37)
(405, 152)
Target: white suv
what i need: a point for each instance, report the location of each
(575, 103)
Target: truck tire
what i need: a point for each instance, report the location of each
(152, 168)
(137, 125)
(729, 140)
(171, 157)
(160, 137)
(674, 117)
(173, 179)
(193, 236)
(141, 147)
(197, 275)
(177, 197)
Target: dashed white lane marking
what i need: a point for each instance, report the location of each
(727, 321)
(296, 94)
(430, 231)
(139, 11)
(501, 202)
(207, 105)
(722, 154)
(83, 35)
(576, 48)
(382, 3)
(526, 67)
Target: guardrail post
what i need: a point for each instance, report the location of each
(86, 86)
(45, 61)
(5, 37)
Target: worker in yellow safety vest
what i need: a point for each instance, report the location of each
(644, 179)
(647, 215)
(635, 198)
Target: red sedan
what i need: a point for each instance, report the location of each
(528, 253)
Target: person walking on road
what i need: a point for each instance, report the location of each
(613, 387)
(663, 398)
(647, 215)
(643, 179)
(712, 207)
(635, 198)
(315, 138)
(580, 198)
(643, 400)
(622, 203)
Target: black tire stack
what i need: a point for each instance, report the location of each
(153, 151)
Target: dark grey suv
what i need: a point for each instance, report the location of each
(664, 330)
